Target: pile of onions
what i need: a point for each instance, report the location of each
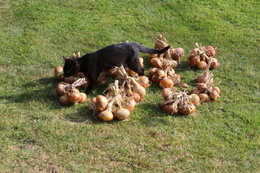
(172, 53)
(206, 90)
(201, 57)
(69, 94)
(121, 96)
(166, 78)
(178, 102)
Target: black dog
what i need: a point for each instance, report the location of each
(92, 64)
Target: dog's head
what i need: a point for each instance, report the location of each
(71, 67)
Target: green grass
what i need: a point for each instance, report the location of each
(37, 134)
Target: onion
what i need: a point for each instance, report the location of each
(195, 91)
(64, 100)
(216, 89)
(58, 71)
(153, 55)
(156, 62)
(101, 103)
(194, 99)
(130, 104)
(131, 72)
(61, 88)
(144, 81)
(166, 83)
(202, 65)
(160, 73)
(201, 79)
(176, 78)
(166, 93)
(210, 51)
(186, 110)
(122, 114)
(74, 97)
(138, 89)
(204, 97)
(195, 51)
(170, 109)
(105, 116)
(83, 97)
(184, 85)
(194, 60)
(214, 63)
(141, 60)
(201, 86)
(136, 97)
(153, 71)
(155, 79)
(214, 94)
(177, 53)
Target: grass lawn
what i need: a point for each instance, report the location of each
(39, 135)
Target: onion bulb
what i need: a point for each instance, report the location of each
(64, 100)
(210, 51)
(83, 97)
(58, 71)
(141, 60)
(138, 89)
(153, 70)
(101, 102)
(122, 114)
(155, 79)
(204, 97)
(152, 55)
(194, 99)
(144, 81)
(136, 97)
(166, 83)
(61, 88)
(186, 110)
(105, 115)
(202, 65)
(214, 94)
(156, 62)
(74, 97)
(170, 109)
(216, 89)
(214, 63)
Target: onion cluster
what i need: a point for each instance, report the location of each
(201, 57)
(206, 90)
(121, 96)
(179, 102)
(172, 53)
(69, 94)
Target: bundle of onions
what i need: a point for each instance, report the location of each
(116, 104)
(206, 90)
(201, 57)
(178, 102)
(69, 94)
(172, 53)
(166, 78)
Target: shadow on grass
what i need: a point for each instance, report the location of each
(41, 90)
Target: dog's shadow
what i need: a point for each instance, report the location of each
(41, 90)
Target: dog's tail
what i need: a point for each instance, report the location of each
(151, 51)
